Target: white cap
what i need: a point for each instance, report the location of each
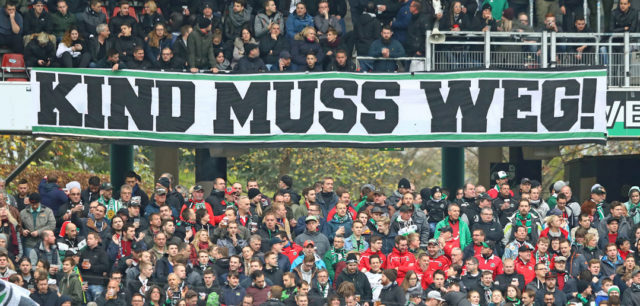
(502, 174)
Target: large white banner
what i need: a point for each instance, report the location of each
(340, 109)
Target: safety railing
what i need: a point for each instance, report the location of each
(618, 52)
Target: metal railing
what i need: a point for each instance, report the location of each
(618, 52)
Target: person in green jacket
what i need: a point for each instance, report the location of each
(69, 283)
(335, 255)
(463, 234)
(633, 205)
(497, 6)
(62, 19)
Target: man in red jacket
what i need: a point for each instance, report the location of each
(290, 249)
(375, 247)
(438, 260)
(488, 261)
(524, 264)
(198, 202)
(400, 255)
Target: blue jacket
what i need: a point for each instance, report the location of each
(295, 24)
(401, 22)
(333, 225)
(151, 208)
(232, 296)
(52, 196)
(395, 50)
(319, 262)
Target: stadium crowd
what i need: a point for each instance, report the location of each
(82, 244)
(271, 35)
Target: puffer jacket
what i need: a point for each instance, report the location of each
(367, 31)
(301, 47)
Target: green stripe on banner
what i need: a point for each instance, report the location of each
(336, 75)
(311, 138)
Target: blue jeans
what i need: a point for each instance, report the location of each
(94, 292)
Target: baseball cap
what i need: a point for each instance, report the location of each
(432, 241)
(198, 188)
(598, 189)
(161, 191)
(559, 184)
(106, 186)
(484, 196)
(370, 186)
(275, 240)
(551, 275)
(138, 247)
(230, 190)
(164, 182)
(377, 209)
(501, 174)
(560, 258)
(309, 242)
(34, 198)
(612, 220)
(285, 54)
(406, 208)
(433, 294)
(310, 218)
(525, 180)
(524, 248)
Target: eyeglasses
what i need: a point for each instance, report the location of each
(74, 194)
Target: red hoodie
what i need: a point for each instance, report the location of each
(439, 263)
(350, 211)
(494, 264)
(292, 251)
(397, 259)
(527, 270)
(364, 259)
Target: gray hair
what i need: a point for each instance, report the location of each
(101, 28)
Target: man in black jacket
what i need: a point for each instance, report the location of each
(391, 293)
(359, 280)
(94, 265)
(168, 62)
(251, 62)
(37, 20)
(138, 61)
(123, 17)
(44, 295)
(624, 18)
(414, 44)
(341, 62)
(126, 41)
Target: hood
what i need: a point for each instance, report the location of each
(62, 299)
(48, 187)
(222, 263)
(636, 188)
(397, 252)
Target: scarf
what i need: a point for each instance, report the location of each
(324, 289)
(341, 219)
(238, 19)
(582, 299)
(337, 255)
(14, 238)
(527, 219)
(600, 210)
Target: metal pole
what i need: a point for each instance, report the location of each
(531, 13)
(598, 14)
(487, 49)
(543, 53)
(584, 10)
(427, 51)
(121, 160)
(27, 161)
(626, 58)
(553, 50)
(452, 167)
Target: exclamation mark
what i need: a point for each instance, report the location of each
(588, 103)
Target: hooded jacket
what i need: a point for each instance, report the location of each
(335, 223)
(366, 255)
(201, 56)
(70, 286)
(392, 294)
(321, 242)
(88, 21)
(464, 234)
(52, 196)
(397, 259)
(296, 23)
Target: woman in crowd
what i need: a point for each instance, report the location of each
(303, 44)
(72, 51)
(554, 228)
(238, 44)
(157, 40)
(154, 297)
(10, 228)
(411, 284)
(202, 222)
(200, 242)
(513, 295)
(151, 17)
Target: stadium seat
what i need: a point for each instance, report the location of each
(17, 80)
(132, 12)
(104, 11)
(12, 63)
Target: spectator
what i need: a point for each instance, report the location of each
(330, 44)
(366, 32)
(200, 48)
(304, 43)
(94, 265)
(324, 21)
(73, 51)
(284, 65)
(150, 17)
(418, 26)
(70, 285)
(299, 22)
(240, 42)
(123, 17)
(400, 23)
(624, 18)
(222, 63)
(44, 295)
(180, 50)
(157, 40)
(265, 20)
(62, 19)
(342, 63)
(99, 45)
(455, 19)
(139, 61)
(386, 47)
(207, 13)
(89, 20)
(386, 11)
(271, 46)
(40, 52)
(11, 27)
(357, 278)
(37, 20)
(126, 42)
(239, 18)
